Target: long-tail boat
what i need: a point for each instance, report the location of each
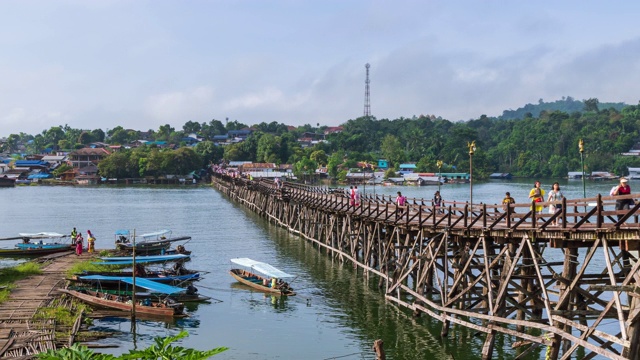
(166, 308)
(270, 281)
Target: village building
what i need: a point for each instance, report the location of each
(87, 156)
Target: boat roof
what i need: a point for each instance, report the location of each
(41, 235)
(155, 233)
(261, 267)
(122, 232)
(150, 285)
(145, 258)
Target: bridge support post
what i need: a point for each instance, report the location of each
(633, 329)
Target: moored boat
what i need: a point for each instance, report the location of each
(144, 288)
(7, 181)
(128, 260)
(271, 282)
(42, 247)
(150, 243)
(124, 303)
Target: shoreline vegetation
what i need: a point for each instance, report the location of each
(9, 275)
(538, 140)
(68, 315)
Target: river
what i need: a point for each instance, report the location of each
(336, 314)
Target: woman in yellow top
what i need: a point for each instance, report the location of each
(537, 194)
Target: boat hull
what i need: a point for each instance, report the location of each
(150, 247)
(110, 301)
(154, 276)
(31, 252)
(149, 295)
(7, 182)
(256, 281)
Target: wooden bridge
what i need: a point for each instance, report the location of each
(565, 287)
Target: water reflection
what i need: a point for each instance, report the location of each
(364, 312)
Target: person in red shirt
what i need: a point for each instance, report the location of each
(623, 189)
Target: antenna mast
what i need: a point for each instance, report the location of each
(367, 100)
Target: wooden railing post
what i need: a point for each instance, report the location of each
(484, 216)
(509, 212)
(533, 214)
(564, 212)
(466, 215)
(599, 218)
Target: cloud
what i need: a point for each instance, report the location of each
(178, 106)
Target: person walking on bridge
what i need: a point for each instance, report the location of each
(537, 195)
(623, 189)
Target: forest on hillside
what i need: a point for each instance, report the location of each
(534, 146)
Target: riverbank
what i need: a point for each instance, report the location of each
(23, 332)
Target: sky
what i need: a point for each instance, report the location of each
(141, 64)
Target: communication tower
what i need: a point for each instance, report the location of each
(367, 100)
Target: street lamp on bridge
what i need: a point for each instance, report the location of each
(439, 165)
(472, 150)
(581, 148)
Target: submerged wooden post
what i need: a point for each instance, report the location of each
(378, 348)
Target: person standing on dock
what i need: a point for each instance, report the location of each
(91, 242)
(623, 189)
(537, 195)
(79, 241)
(356, 196)
(74, 235)
(352, 196)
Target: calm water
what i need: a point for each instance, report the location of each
(337, 313)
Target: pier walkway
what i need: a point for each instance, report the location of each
(22, 336)
(550, 290)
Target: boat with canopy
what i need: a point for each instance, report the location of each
(128, 260)
(268, 280)
(150, 243)
(47, 243)
(165, 308)
(123, 285)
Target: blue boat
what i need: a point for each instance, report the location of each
(42, 243)
(152, 275)
(30, 249)
(155, 289)
(128, 260)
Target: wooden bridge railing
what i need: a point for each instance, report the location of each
(588, 214)
(482, 266)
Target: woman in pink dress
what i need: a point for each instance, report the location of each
(79, 241)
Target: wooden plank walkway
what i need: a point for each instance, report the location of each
(21, 337)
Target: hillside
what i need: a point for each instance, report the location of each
(566, 104)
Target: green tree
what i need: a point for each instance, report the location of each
(98, 135)
(392, 149)
(209, 152)
(319, 157)
(85, 138)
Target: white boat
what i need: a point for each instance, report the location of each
(272, 283)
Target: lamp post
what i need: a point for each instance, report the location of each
(581, 148)
(364, 177)
(439, 165)
(472, 149)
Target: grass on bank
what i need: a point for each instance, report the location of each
(9, 275)
(89, 265)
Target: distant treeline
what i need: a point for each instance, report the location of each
(533, 146)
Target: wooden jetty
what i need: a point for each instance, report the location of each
(21, 335)
(510, 271)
